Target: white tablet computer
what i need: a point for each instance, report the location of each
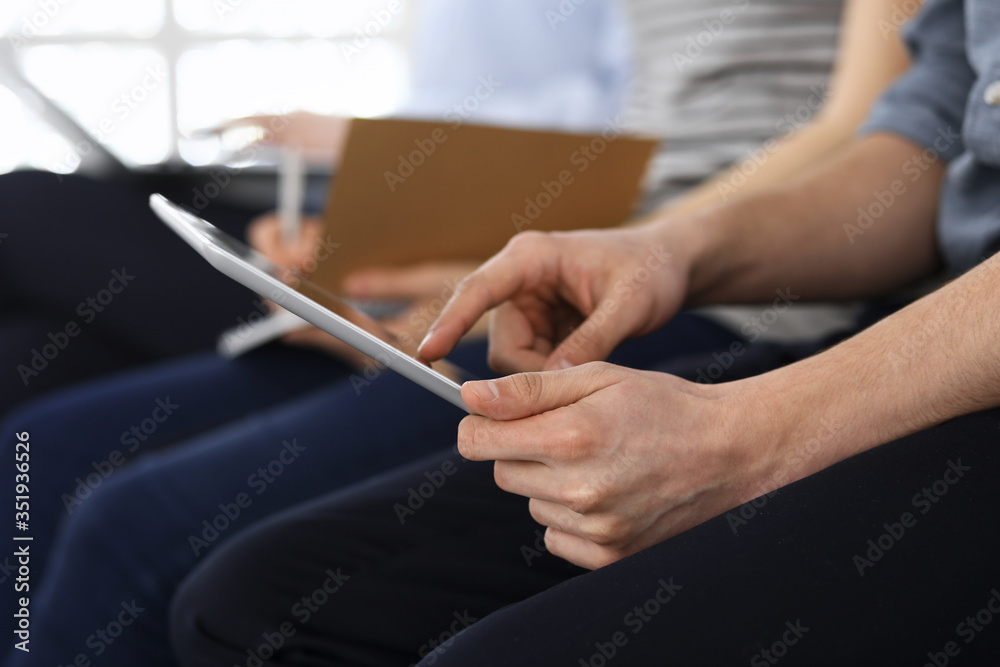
(307, 300)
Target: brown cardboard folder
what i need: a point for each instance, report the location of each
(412, 191)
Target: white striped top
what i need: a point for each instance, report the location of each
(716, 78)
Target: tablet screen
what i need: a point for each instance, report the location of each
(242, 261)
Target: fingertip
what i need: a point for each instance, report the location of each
(426, 346)
(485, 391)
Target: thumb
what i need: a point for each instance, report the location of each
(525, 394)
(593, 340)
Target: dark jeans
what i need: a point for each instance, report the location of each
(92, 282)
(889, 557)
(85, 436)
(142, 530)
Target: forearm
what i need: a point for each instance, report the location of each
(868, 60)
(934, 360)
(783, 159)
(832, 234)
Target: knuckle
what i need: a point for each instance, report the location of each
(604, 530)
(552, 542)
(527, 387)
(573, 443)
(467, 436)
(581, 497)
(465, 284)
(502, 475)
(526, 240)
(537, 512)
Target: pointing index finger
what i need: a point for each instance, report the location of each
(484, 289)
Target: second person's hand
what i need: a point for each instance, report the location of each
(564, 299)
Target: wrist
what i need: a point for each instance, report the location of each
(790, 424)
(690, 239)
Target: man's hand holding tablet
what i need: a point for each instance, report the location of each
(613, 459)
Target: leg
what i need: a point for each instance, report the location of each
(880, 556)
(881, 559)
(144, 528)
(376, 575)
(65, 238)
(397, 540)
(349, 437)
(85, 435)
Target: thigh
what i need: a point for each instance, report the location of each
(20, 333)
(148, 525)
(379, 574)
(87, 435)
(887, 558)
(439, 539)
(92, 254)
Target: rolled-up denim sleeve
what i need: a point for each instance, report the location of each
(927, 103)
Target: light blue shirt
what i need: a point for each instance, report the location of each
(531, 63)
(949, 103)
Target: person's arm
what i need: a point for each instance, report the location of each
(870, 55)
(616, 460)
(604, 286)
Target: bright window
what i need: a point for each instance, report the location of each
(141, 76)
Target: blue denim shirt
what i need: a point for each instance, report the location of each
(949, 102)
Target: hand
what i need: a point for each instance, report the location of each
(264, 234)
(427, 286)
(567, 298)
(321, 138)
(615, 460)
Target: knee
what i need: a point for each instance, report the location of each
(113, 514)
(222, 613)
